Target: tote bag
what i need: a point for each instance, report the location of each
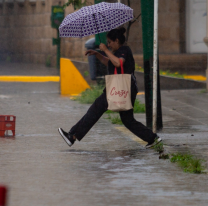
(118, 90)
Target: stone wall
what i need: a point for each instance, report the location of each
(26, 33)
(171, 27)
(74, 48)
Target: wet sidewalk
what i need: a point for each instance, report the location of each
(108, 167)
(26, 69)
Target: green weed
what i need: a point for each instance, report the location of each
(110, 112)
(159, 147)
(162, 72)
(188, 163)
(138, 107)
(139, 68)
(86, 73)
(115, 119)
(89, 95)
(171, 74)
(164, 156)
(203, 91)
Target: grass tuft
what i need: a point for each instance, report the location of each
(86, 73)
(203, 91)
(110, 112)
(162, 72)
(115, 119)
(138, 107)
(90, 95)
(164, 156)
(139, 68)
(172, 74)
(188, 163)
(159, 147)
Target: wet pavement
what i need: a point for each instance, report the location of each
(109, 166)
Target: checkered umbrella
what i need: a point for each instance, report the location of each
(95, 19)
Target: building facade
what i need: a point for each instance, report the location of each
(26, 33)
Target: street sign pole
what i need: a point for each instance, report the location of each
(101, 37)
(147, 35)
(58, 51)
(147, 9)
(155, 64)
(206, 42)
(57, 16)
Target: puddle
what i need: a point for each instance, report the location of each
(5, 96)
(200, 128)
(36, 135)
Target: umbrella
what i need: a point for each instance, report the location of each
(95, 19)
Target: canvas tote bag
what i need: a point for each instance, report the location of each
(118, 90)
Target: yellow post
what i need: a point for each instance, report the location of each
(72, 82)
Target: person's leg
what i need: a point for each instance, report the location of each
(134, 126)
(93, 114)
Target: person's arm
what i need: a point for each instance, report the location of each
(104, 60)
(115, 60)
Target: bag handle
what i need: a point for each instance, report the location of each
(122, 69)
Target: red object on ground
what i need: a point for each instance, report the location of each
(3, 193)
(7, 122)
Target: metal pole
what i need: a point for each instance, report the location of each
(206, 42)
(119, 1)
(147, 9)
(58, 50)
(207, 45)
(155, 69)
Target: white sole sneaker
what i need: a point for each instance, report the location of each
(158, 140)
(64, 137)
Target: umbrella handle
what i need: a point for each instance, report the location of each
(99, 37)
(96, 27)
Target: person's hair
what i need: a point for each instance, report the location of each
(117, 34)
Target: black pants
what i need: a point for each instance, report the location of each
(99, 107)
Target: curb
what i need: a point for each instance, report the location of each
(171, 83)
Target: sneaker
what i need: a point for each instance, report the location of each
(67, 137)
(156, 141)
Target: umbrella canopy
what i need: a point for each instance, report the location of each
(95, 19)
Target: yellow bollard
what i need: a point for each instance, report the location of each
(72, 82)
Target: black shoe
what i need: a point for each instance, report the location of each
(67, 137)
(156, 141)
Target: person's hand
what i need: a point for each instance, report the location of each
(103, 47)
(90, 52)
